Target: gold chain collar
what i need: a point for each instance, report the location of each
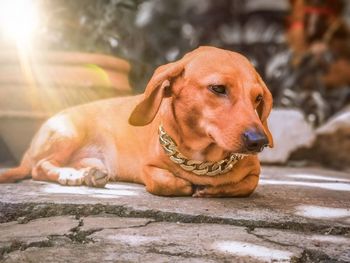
(196, 167)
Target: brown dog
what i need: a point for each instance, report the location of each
(195, 131)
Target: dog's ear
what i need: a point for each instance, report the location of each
(264, 110)
(156, 89)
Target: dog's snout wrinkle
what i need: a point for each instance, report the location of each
(254, 140)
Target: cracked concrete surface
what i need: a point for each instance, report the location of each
(296, 215)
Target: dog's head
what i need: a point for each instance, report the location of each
(214, 93)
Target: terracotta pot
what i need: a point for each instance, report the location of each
(34, 87)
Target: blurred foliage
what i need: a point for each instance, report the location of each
(103, 26)
(154, 32)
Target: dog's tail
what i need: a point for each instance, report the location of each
(18, 173)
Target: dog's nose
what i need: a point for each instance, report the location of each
(254, 140)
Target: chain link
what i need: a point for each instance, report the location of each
(196, 167)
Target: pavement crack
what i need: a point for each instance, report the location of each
(77, 235)
(30, 211)
(137, 226)
(167, 253)
(264, 238)
(307, 255)
(48, 241)
(311, 256)
(21, 245)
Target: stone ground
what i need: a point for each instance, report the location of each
(295, 215)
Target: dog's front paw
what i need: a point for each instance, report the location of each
(95, 177)
(69, 176)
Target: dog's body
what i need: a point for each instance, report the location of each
(207, 102)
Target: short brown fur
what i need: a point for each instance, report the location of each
(117, 139)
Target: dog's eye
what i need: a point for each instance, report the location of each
(218, 89)
(258, 98)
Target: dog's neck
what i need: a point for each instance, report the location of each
(193, 144)
(192, 160)
(198, 167)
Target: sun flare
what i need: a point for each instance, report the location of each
(18, 20)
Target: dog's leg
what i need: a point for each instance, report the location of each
(89, 171)
(54, 148)
(96, 173)
(17, 173)
(161, 182)
(241, 189)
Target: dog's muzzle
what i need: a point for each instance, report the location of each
(196, 167)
